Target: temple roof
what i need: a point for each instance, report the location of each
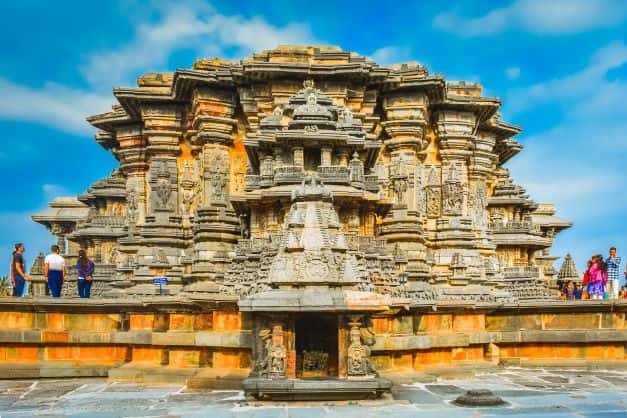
(568, 270)
(302, 62)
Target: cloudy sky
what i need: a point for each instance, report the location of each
(560, 67)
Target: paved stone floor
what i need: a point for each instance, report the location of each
(530, 392)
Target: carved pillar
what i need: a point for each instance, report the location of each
(325, 156)
(342, 156)
(299, 157)
(461, 194)
(405, 121)
(216, 227)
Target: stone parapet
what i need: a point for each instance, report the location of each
(168, 339)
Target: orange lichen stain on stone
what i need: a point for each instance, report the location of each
(19, 354)
(85, 354)
(55, 336)
(152, 355)
(227, 359)
(92, 322)
(212, 109)
(381, 325)
(55, 321)
(141, 321)
(203, 322)
(467, 353)
(184, 358)
(472, 322)
(571, 321)
(181, 322)
(227, 321)
(431, 357)
(605, 352)
(403, 360)
(435, 323)
(16, 320)
(239, 162)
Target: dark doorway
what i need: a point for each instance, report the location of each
(316, 346)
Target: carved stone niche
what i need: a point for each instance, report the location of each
(452, 193)
(433, 193)
(163, 179)
(271, 358)
(216, 176)
(358, 355)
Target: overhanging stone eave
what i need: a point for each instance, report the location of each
(315, 300)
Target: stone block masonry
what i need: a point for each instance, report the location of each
(159, 342)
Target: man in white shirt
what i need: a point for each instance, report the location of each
(54, 271)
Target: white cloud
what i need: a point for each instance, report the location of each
(587, 82)
(52, 191)
(191, 26)
(579, 163)
(555, 17)
(53, 104)
(180, 25)
(513, 73)
(390, 55)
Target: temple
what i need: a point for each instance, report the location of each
(317, 191)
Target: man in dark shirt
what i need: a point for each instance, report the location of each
(18, 276)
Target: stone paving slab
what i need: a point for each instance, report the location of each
(594, 394)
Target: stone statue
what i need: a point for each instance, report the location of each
(452, 194)
(277, 354)
(359, 364)
(131, 206)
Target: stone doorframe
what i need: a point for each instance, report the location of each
(274, 345)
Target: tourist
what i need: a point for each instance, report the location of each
(585, 283)
(623, 292)
(571, 292)
(597, 277)
(54, 271)
(18, 277)
(85, 268)
(613, 273)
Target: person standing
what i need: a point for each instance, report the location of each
(54, 271)
(613, 273)
(597, 277)
(85, 268)
(18, 276)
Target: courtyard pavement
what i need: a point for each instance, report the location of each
(529, 392)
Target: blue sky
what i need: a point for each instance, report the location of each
(560, 67)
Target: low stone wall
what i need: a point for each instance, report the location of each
(166, 340)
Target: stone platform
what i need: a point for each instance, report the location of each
(530, 392)
(315, 389)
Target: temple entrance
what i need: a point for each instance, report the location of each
(316, 346)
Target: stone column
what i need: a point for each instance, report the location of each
(325, 156)
(405, 121)
(463, 192)
(299, 157)
(342, 156)
(217, 227)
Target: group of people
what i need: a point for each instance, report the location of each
(601, 280)
(55, 272)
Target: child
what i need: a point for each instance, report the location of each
(597, 277)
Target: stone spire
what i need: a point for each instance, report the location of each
(568, 271)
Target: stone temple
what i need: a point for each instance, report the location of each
(316, 190)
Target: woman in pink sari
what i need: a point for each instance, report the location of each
(597, 277)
